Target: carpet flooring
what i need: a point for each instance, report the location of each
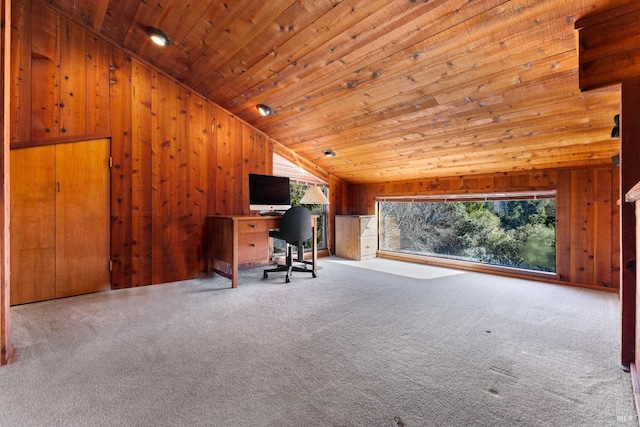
(353, 347)
(401, 268)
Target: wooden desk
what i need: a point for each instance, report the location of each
(233, 241)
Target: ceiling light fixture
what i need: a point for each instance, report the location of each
(264, 110)
(158, 37)
(329, 153)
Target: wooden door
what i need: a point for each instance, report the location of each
(33, 238)
(60, 209)
(82, 217)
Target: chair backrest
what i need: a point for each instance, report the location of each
(295, 225)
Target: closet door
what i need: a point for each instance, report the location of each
(82, 217)
(33, 238)
(60, 217)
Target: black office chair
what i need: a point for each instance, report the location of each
(295, 229)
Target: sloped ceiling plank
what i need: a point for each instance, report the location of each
(299, 43)
(397, 87)
(446, 76)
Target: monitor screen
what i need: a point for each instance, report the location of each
(269, 193)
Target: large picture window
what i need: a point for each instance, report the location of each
(516, 232)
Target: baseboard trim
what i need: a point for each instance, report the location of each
(498, 271)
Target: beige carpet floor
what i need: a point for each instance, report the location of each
(401, 268)
(353, 347)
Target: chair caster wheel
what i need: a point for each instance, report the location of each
(265, 275)
(314, 275)
(287, 280)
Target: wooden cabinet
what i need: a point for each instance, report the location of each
(60, 218)
(356, 236)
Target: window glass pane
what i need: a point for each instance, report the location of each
(297, 193)
(301, 180)
(510, 233)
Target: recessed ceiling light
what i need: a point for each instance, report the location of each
(158, 37)
(329, 153)
(264, 110)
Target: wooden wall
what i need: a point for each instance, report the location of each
(160, 139)
(60, 78)
(609, 54)
(587, 238)
(176, 156)
(6, 348)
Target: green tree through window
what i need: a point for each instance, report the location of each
(297, 192)
(510, 233)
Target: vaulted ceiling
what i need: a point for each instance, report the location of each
(399, 89)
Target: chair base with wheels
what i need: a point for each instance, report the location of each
(295, 228)
(289, 267)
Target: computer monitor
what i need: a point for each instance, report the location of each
(268, 193)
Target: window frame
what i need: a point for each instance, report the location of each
(463, 264)
(297, 175)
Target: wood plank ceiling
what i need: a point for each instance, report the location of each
(399, 89)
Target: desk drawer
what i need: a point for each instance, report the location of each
(368, 226)
(368, 245)
(253, 247)
(252, 226)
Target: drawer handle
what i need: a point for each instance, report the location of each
(252, 225)
(252, 245)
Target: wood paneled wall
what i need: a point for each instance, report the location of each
(609, 54)
(176, 156)
(6, 348)
(160, 140)
(587, 233)
(59, 76)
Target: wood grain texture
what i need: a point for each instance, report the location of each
(609, 46)
(62, 72)
(399, 89)
(60, 221)
(44, 76)
(156, 198)
(20, 72)
(97, 108)
(82, 234)
(6, 347)
(141, 176)
(629, 177)
(121, 118)
(196, 154)
(163, 149)
(356, 236)
(33, 221)
(169, 149)
(72, 78)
